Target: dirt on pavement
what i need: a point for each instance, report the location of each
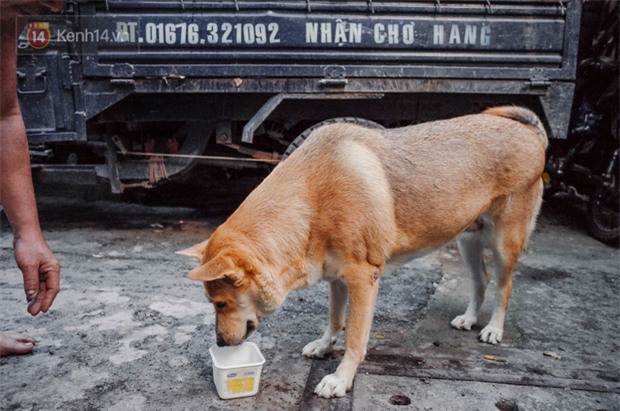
(129, 332)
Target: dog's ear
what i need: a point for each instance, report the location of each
(218, 268)
(195, 251)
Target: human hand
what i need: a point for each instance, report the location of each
(11, 8)
(41, 272)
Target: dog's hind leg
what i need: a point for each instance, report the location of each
(514, 223)
(471, 247)
(337, 312)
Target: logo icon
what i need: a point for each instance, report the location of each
(39, 34)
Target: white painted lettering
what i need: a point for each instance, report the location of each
(485, 36)
(438, 34)
(355, 33)
(326, 32)
(312, 32)
(341, 32)
(470, 34)
(126, 31)
(379, 33)
(409, 33)
(393, 37)
(455, 35)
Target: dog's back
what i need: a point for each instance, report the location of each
(390, 191)
(457, 168)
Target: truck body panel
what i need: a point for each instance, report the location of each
(253, 75)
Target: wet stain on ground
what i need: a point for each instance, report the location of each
(400, 400)
(404, 361)
(545, 274)
(507, 405)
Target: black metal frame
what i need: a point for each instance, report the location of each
(64, 87)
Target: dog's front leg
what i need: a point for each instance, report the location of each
(337, 310)
(363, 283)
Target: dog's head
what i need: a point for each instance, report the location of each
(233, 286)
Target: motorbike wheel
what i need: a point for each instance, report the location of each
(603, 214)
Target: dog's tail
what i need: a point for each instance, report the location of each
(522, 115)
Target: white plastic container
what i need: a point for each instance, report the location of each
(236, 369)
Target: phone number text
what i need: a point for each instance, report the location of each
(190, 33)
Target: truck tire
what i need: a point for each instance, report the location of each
(602, 216)
(306, 133)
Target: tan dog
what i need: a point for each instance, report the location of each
(351, 197)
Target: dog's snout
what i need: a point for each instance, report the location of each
(250, 328)
(221, 342)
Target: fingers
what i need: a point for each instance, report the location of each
(41, 283)
(34, 307)
(55, 5)
(32, 287)
(50, 286)
(31, 280)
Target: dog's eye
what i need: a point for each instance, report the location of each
(220, 305)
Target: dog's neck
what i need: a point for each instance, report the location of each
(275, 285)
(274, 225)
(272, 263)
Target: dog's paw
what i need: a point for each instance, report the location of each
(318, 348)
(463, 322)
(491, 335)
(332, 385)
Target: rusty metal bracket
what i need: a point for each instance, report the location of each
(33, 80)
(119, 144)
(111, 161)
(539, 83)
(271, 104)
(335, 76)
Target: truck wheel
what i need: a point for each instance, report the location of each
(602, 217)
(306, 133)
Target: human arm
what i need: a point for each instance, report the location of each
(39, 266)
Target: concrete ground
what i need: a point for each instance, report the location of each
(129, 332)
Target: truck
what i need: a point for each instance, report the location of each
(137, 93)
